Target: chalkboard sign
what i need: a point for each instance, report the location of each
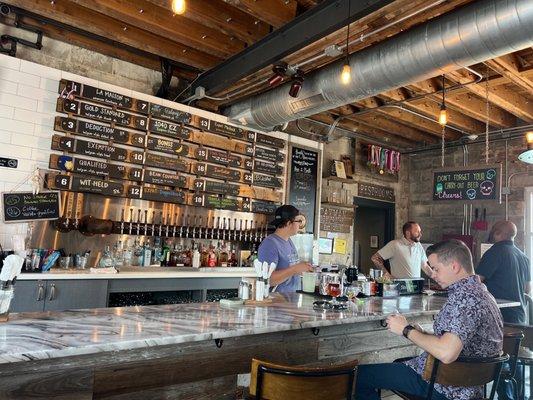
(467, 184)
(26, 206)
(303, 184)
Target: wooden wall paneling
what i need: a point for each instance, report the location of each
(509, 66)
(273, 12)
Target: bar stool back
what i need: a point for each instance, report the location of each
(280, 382)
(465, 371)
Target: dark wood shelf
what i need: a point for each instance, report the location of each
(341, 205)
(337, 179)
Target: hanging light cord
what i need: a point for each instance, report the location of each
(442, 146)
(487, 114)
(348, 31)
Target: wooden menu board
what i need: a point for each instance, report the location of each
(303, 183)
(480, 182)
(27, 206)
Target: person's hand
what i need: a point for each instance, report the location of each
(396, 323)
(303, 267)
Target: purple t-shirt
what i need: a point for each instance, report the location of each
(283, 253)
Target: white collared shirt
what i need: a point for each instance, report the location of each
(406, 258)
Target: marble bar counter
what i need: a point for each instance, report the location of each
(190, 349)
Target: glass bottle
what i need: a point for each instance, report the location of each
(222, 255)
(174, 257)
(118, 254)
(127, 254)
(204, 256)
(147, 254)
(212, 257)
(156, 252)
(106, 260)
(233, 261)
(137, 253)
(165, 254)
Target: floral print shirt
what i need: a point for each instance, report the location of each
(471, 314)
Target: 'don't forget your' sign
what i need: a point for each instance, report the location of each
(467, 184)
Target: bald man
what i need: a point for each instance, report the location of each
(504, 268)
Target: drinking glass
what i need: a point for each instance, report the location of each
(334, 290)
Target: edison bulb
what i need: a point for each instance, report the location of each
(529, 136)
(178, 6)
(443, 116)
(346, 74)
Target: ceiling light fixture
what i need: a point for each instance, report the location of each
(443, 115)
(297, 81)
(280, 72)
(346, 74)
(178, 6)
(527, 155)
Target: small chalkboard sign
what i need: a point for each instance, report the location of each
(26, 206)
(303, 183)
(467, 183)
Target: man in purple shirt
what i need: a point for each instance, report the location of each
(470, 324)
(279, 249)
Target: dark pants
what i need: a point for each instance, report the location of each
(391, 376)
(506, 387)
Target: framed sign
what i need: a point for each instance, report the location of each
(325, 245)
(27, 206)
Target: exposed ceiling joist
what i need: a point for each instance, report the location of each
(222, 17)
(152, 18)
(105, 26)
(273, 12)
(309, 27)
(508, 66)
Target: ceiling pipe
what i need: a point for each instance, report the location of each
(472, 34)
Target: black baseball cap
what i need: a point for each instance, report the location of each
(283, 214)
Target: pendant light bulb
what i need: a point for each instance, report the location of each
(178, 6)
(443, 115)
(346, 74)
(529, 137)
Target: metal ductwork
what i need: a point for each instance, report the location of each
(480, 31)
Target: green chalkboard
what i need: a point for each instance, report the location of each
(467, 183)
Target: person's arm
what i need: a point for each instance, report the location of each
(279, 276)
(445, 348)
(381, 255)
(427, 269)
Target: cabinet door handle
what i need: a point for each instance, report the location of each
(52, 292)
(40, 292)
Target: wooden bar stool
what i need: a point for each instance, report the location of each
(280, 382)
(523, 359)
(465, 371)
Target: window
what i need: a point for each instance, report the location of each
(528, 236)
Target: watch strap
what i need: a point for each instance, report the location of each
(406, 331)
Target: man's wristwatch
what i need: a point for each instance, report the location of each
(406, 330)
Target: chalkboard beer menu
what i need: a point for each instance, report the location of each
(116, 145)
(303, 183)
(467, 183)
(27, 206)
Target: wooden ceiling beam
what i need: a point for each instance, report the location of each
(274, 12)
(501, 96)
(509, 67)
(431, 109)
(467, 104)
(102, 25)
(223, 17)
(162, 22)
(147, 60)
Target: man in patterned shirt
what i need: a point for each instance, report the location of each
(470, 324)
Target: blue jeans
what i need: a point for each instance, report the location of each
(506, 388)
(391, 376)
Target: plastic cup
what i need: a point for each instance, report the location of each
(308, 282)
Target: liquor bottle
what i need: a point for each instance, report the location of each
(212, 257)
(187, 256)
(204, 256)
(233, 261)
(106, 260)
(156, 252)
(118, 254)
(165, 254)
(127, 254)
(174, 257)
(195, 257)
(223, 257)
(252, 257)
(147, 254)
(137, 254)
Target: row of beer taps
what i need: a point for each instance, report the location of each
(190, 226)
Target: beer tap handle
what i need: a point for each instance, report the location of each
(131, 221)
(153, 222)
(234, 228)
(246, 230)
(174, 226)
(181, 224)
(218, 227)
(252, 230)
(200, 226)
(145, 222)
(187, 223)
(194, 226)
(138, 221)
(122, 222)
(167, 222)
(160, 222)
(224, 228)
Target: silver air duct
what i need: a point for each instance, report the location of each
(480, 31)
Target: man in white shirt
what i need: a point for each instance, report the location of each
(406, 255)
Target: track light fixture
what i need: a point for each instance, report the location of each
(527, 155)
(280, 72)
(297, 81)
